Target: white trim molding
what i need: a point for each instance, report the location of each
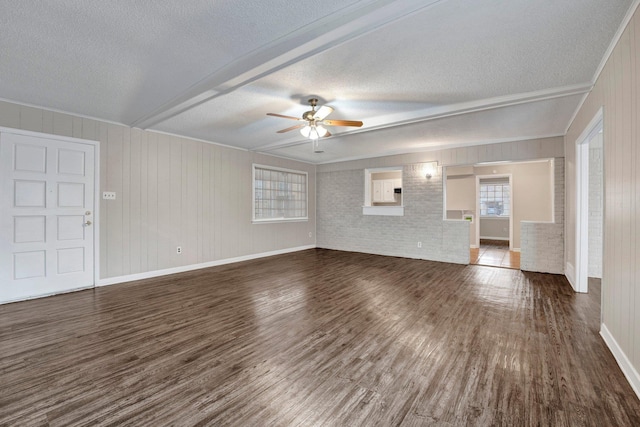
(383, 210)
(582, 201)
(623, 361)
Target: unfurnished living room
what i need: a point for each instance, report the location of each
(346, 213)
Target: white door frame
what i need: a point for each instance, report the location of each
(582, 202)
(96, 194)
(504, 175)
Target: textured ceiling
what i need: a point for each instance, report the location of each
(420, 74)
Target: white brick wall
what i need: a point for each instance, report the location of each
(542, 247)
(542, 243)
(341, 224)
(340, 196)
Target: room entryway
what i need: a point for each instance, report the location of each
(495, 253)
(47, 215)
(589, 204)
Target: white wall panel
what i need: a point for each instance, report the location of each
(170, 192)
(617, 90)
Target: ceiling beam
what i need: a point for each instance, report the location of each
(330, 31)
(434, 113)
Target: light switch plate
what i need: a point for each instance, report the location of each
(109, 195)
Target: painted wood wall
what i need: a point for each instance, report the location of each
(617, 90)
(171, 192)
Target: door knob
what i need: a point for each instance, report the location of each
(87, 223)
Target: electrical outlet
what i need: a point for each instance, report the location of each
(179, 250)
(419, 244)
(109, 195)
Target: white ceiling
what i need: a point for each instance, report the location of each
(420, 74)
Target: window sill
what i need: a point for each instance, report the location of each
(278, 220)
(383, 210)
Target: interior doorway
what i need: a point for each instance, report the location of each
(494, 225)
(589, 204)
(530, 198)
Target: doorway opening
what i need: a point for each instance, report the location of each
(496, 198)
(590, 205)
(494, 227)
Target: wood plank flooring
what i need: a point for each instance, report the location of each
(312, 338)
(495, 253)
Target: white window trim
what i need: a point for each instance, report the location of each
(253, 195)
(367, 208)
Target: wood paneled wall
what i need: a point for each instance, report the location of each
(617, 90)
(171, 192)
(529, 149)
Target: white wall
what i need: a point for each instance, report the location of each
(461, 196)
(595, 206)
(542, 242)
(617, 92)
(171, 192)
(531, 191)
(494, 228)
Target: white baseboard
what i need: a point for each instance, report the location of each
(625, 365)
(569, 272)
(515, 250)
(156, 273)
(506, 239)
(474, 247)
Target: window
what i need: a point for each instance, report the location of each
(495, 198)
(279, 194)
(383, 192)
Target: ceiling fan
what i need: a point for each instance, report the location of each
(314, 122)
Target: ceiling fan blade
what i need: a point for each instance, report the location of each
(284, 117)
(291, 128)
(322, 112)
(342, 123)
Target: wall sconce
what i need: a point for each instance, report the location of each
(430, 169)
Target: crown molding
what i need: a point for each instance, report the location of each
(614, 42)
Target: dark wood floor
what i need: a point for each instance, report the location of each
(315, 338)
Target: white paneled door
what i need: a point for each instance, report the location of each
(46, 216)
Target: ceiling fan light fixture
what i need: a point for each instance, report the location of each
(313, 126)
(313, 133)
